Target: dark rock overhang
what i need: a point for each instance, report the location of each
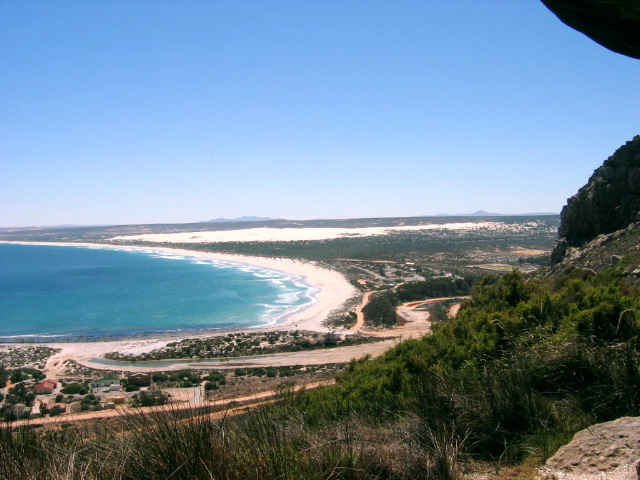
(614, 24)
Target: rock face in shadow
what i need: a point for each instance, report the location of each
(610, 201)
(614, 24)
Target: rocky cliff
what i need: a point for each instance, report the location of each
(610, 201)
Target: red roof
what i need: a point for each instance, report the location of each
(47, 384)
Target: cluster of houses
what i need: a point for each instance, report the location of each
(109, 390)
(388, 272)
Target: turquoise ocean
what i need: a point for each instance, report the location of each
(66, 292)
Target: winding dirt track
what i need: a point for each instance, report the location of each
(359, 315)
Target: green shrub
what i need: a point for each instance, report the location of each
(75, 389)
(381, 309)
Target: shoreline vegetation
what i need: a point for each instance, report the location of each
(246, 344)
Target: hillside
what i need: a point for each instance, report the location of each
(529, 360)
(604, 251)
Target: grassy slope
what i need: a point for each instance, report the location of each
(523, 362)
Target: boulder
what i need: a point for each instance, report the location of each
(608, 450)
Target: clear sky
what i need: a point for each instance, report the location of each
(153, 111)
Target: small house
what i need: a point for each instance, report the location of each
(46, 387)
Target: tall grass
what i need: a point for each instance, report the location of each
(270, 443)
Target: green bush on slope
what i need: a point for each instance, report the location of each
(524, 357)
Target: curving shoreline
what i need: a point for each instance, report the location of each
(331, 289)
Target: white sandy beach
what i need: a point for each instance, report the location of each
(331, 290)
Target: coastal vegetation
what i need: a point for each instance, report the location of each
(431, 250)
(17, 375)
(372, 421)
(452, 246)
(33, 356)
(245, 344)
(525, 361)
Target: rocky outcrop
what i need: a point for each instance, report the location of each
(604, 251)
(614, 24)
(606, 450)
(610, 201)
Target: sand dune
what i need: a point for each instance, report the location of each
(292, 234)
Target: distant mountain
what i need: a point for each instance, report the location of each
(482, 213)
(241, 219)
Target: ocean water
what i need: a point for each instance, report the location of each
(62, 293)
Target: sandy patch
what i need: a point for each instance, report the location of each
(267, 234)
(453, 311)
(529, 251)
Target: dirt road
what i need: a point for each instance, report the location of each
(227, 407)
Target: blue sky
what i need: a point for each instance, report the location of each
(169, 111)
